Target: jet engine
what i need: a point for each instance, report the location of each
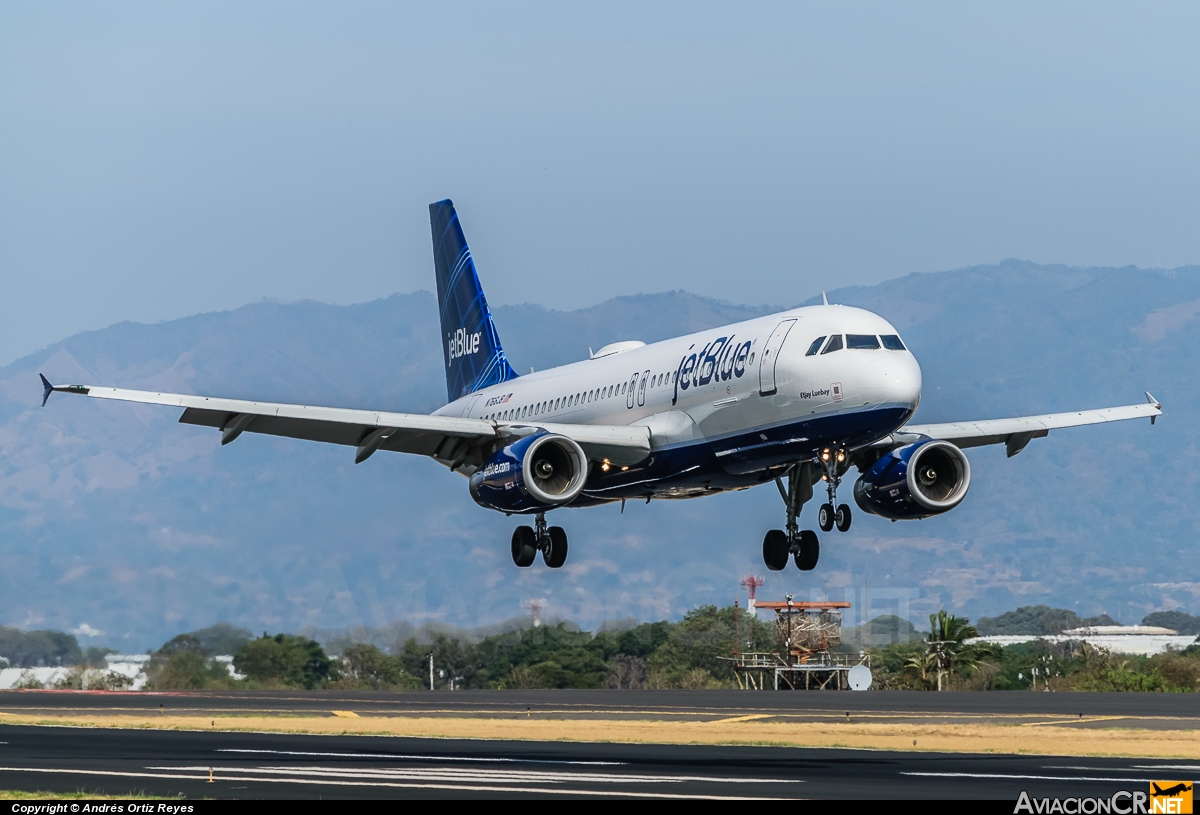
(916, 481)
(532, 474)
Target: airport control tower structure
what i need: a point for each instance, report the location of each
(807, 633)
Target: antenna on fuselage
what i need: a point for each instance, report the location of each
(824, 299)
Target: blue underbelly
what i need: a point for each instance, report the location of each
(737, 461)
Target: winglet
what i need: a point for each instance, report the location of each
(1154, 402)
(824, 299)
(48, 389)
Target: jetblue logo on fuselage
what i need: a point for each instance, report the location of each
(461, 344)
(720, 360)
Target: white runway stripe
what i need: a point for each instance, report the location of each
(422, 758)
(611, 793)
(1027, 777)
(1133, 769)
(1192, 767)
(498, 776)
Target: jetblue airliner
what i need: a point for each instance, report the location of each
(794, 399)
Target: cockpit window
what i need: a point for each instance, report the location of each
(862, 341)
(815, 347)
(892, 343)
(835, 344)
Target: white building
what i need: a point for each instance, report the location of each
(130, 666)
(1145, 640)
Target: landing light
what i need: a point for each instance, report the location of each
(604, 465)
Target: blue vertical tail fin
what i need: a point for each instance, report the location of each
(470, 344)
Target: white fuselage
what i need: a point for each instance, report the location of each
(738, 397)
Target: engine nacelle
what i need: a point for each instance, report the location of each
(532, 474)
(916, 481)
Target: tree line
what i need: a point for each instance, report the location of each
(691, 653)
(44, 648)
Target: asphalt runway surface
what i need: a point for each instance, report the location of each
(270, 765)
(263, 765)
(1134, 710)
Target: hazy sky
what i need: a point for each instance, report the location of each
(159, 159)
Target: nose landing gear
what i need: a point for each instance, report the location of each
(828, 516)
(550, 541)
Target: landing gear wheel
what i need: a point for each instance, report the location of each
(810, 551)
(524, 546)
(842, 519)
(775, 550)
(555, 554)
(826, 517)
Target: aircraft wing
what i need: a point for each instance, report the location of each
(1017, 432)
(454, 441)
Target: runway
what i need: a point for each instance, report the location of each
(1141, 710)
(519, 746)
(260, 765)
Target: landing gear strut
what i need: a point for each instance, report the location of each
(828, 517)
(550, 541)
(801, 544)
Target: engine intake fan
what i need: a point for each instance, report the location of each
(915, 481)
(555, 468)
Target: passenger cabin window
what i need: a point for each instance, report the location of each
(835, 344)
(892, 343)
(815, 347)
(862, 341)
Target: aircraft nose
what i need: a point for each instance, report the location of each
(893, 381)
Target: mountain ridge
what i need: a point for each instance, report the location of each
(116, 516)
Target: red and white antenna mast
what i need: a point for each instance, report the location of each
(751, 583)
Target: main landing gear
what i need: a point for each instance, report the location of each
(803, 544)
(550, 541)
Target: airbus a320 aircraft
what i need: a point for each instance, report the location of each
(793, 399)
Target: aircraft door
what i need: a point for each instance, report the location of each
(629, 394)
(641, 398)
(470, 406)
(769, 355)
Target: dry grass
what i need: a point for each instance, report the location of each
(77, 795)
(964, 738)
